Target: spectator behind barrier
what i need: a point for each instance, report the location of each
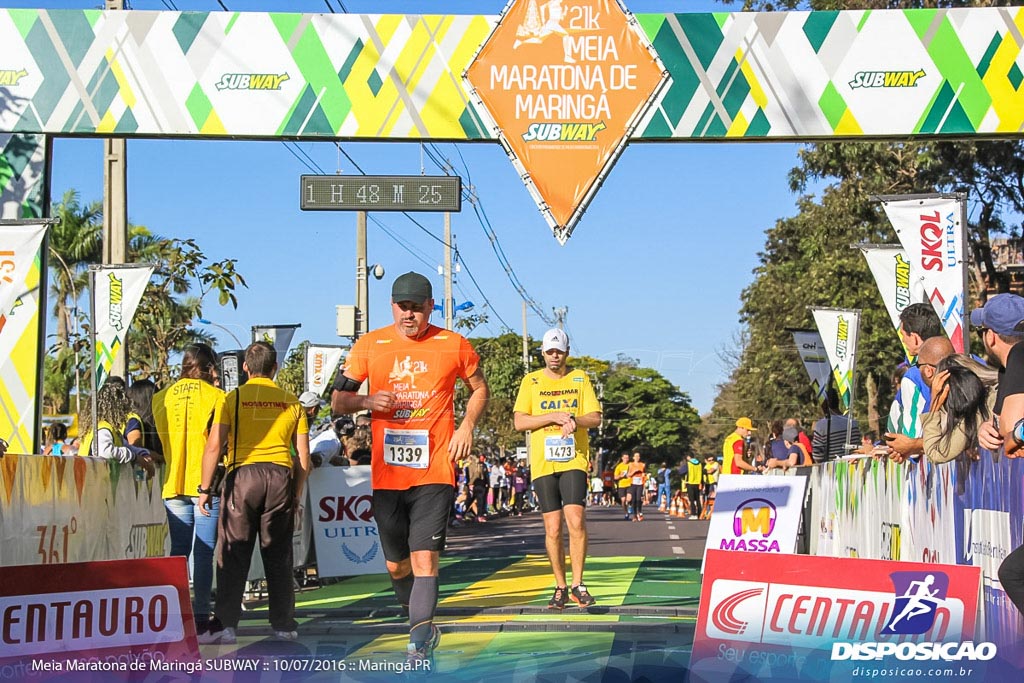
(963, 397)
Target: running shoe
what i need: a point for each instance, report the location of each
(217, 633)
(581, 596)
(558, 600)
(419, 661)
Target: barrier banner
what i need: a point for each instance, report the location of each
(756, 515)
(930, 228)
(812, 353)
(796, 617)
(989, 525)
(344, 529)
(838, 328)
(116, 293)
(56, 510)
(321, 362)
(125, 618)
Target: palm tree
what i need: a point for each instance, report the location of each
(74, 242)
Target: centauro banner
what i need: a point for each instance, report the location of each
(838, 328)
(930, 228)
(564, 85)
(730, 76)
(812, 353)
(117, 291)
(321, 362)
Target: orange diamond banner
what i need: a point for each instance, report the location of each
(565, 82)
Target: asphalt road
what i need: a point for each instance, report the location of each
(610, 535)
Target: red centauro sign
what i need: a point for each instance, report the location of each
(565, 82)
(121, 616)
(798, 617)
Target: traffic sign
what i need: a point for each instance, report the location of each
(381, 193)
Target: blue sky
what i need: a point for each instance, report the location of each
(654, 270)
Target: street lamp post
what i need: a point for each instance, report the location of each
(204, 321)
(74, 344)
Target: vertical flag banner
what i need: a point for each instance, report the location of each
(20, 264)
(116, 297)
(895, 276)
(812, 353)
(321, 362)
(278, 336)
(838, 329)
(931, 229)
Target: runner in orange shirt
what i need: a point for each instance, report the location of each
(412, 367)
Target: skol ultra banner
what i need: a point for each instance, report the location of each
(116, 294)
(344, 528)
(838, 328)
(564, 86)
(931, 229)
(796, 617)
(278, 336)
(815, 360)
(321, 362)
(19, 246)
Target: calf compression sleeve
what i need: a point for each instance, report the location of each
(422, 604)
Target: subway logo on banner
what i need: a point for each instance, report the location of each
(563, 132)
(902, 282)
(887, 79)
(817, 616)
(11, 76)
(842, 337)
(251, 81)
(116, 298)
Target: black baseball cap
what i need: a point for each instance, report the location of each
(411, 287)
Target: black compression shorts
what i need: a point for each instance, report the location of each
(555, 491)
(413, 519)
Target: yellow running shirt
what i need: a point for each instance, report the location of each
(268, 419)
(410, 444)
(539, 394)
(182, 414)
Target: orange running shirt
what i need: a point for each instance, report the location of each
(410, 444)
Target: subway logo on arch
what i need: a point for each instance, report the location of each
(887, 79)
(563, 132)
(251, 81)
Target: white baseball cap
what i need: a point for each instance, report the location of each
(308, 399)
(555, 339)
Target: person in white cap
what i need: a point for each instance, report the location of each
(557, 405)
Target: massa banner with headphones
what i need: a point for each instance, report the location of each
(756, 515)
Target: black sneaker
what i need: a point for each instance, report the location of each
(581, 596)
(558, 600)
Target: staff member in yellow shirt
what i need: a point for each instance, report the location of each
(261, 423)
(557, 405)
(622, 485)
(182, 414)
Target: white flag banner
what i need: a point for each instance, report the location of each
(278, 336)
(838, 330)
(19, 247)
(321, 362)
(931, 229)
(812, 353)
(116, 296)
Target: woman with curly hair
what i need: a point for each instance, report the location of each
(105, 440)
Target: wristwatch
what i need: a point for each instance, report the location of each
(200, 489)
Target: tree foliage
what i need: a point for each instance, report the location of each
(807, 259)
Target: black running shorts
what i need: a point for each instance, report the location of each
(413, 519)
(555, 491)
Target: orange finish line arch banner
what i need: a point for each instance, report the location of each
(564, 85)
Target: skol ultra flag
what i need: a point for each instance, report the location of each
(812, 353)
(838, 330)
(321, 362)
(930, 228)
(116, 296)
(19, 246)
